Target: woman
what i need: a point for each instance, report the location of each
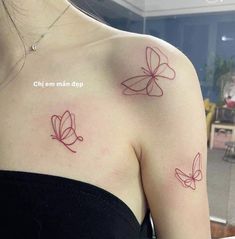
(97, 126)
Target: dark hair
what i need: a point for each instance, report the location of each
(15, 8)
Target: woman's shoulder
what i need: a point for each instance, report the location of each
(134, 42)
(129, 51)
(132, 56)
(123, 49)
(153, 74)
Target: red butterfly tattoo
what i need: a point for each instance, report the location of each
(147, 83)
(65, 129)
(189, 181)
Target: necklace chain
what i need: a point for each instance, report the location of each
(34, 45)
(33, 48)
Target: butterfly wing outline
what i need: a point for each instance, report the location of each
(145, 84)
(68, 128)
(189, 181)
(196, 169)
(55, 121)
(162, 70)
(64, 128)
(185, 179)
(137, 85)
(157, 68)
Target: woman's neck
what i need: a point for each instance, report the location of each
(27, 20)
(31, 18)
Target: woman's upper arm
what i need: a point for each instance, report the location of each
(174, 154)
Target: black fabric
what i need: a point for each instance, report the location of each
(40, 206)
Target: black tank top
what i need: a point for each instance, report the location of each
(40, 206)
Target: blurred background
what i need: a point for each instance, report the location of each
(204, 30)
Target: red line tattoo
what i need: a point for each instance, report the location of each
(189, 181)
(64, 128)
(147, 83)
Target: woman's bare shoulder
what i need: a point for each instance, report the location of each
(136, 41)
(130, 51)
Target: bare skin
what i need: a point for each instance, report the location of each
(123, 139)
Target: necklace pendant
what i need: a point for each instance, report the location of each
(33, 47)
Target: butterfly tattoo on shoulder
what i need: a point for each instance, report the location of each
(189, 180)
(64, 128)
(157, 68)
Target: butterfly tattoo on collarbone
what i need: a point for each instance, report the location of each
(189, 180)
(147, 83)
(64, 128)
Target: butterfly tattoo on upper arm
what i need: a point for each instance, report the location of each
(189, 180)
(147, 83)
(64, 128)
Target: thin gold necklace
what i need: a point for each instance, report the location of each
(35, 44)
